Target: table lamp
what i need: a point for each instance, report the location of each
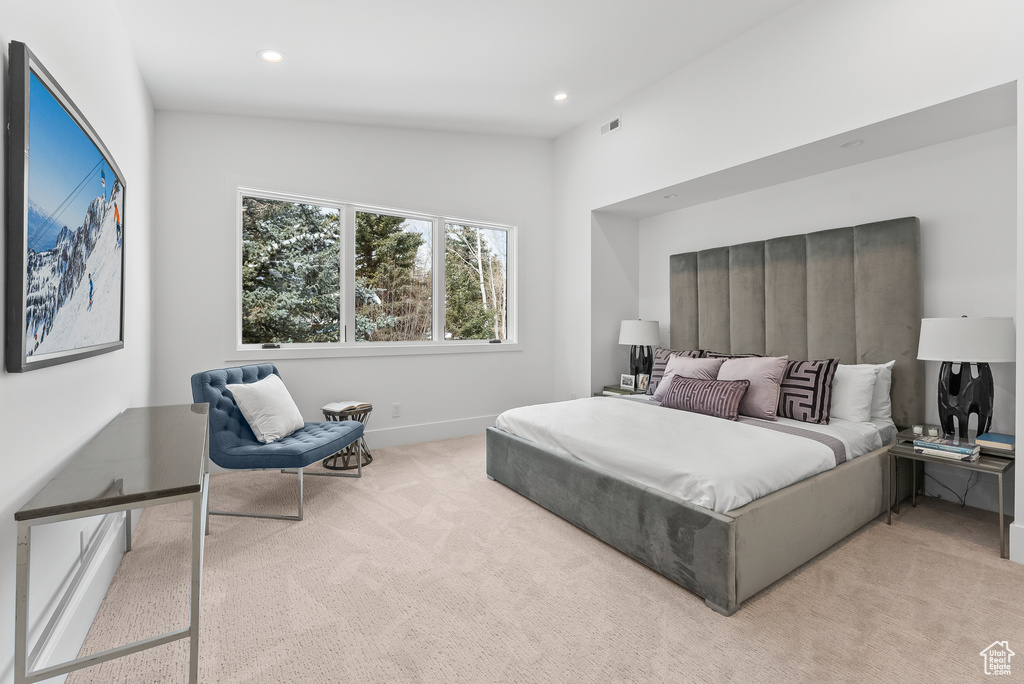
(968, 342)
(642, 335)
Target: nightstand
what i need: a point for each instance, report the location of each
(988, 463)
(614, 390)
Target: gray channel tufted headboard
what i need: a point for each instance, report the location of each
(848, 293)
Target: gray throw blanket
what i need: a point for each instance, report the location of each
(836, 445)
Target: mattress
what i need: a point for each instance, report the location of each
(714, 463)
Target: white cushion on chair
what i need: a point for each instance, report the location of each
(268, 408)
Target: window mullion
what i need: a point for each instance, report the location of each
(438, 275)
(348, 273)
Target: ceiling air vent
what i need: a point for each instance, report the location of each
(612, 126)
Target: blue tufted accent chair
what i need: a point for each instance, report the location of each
(234, 446)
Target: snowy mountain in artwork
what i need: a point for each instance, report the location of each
(73, 289)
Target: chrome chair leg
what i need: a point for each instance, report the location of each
(271, 516)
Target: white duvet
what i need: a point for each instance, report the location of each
(711, 462)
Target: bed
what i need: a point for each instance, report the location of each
(849, 293)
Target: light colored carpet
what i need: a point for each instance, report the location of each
(426, 571)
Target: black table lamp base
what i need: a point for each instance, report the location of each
(641, 360)
(961, 394)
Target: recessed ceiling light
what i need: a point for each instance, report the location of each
(851, 143)
(670, 196)
(561, 97)
(273, 56)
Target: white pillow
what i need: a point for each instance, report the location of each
(852, 390)
(268, 408)
(881, 400)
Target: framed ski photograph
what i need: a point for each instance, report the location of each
(65, 227)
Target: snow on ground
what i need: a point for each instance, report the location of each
(75, 326)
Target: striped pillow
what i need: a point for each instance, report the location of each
(701, 369)
(661, 357)
(723, 355)
(718, 398)
(805, 392)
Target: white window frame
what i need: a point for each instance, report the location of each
(512, 309)
(237, 351)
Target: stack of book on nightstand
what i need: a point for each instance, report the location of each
(947, 448)
(997, 443)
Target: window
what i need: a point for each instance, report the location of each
(317, 274)
(394, 279)
(290, 272)
(475, 261)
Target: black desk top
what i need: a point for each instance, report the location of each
(143, 454)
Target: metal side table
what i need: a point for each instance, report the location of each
(347, 410)
(145, 457)
(993, 465)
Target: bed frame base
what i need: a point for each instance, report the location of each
(719, 609)
(723, 557)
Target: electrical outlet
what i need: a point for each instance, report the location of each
(396, 410)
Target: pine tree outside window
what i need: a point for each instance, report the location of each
(290, 272)
(393, 278)
(475, 262)
(317, 274)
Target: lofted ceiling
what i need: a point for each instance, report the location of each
(985, 110)
(458, 65)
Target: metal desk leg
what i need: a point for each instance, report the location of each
(21, 603)
(1002, 534)
(888, 491)
(128, 530)
(199, 508)
(896, 486)
(913, 492)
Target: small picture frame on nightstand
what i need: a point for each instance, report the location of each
(627, 381)
(642, 381)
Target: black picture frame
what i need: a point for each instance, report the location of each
(53, 246)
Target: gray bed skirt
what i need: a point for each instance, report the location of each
(723, 557)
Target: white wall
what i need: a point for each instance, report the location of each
(963, 191)
(615, 260)
(45, 415)
(812, 72)
(201, 159)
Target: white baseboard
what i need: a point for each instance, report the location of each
(427, 432)
(62, 637)
(1017, 543)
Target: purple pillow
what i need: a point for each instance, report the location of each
(710, 397)
(765, 375)
(686, 367)
(661, 357)
(806, 390)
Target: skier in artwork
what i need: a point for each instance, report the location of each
(90, 292)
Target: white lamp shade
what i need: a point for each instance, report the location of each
(967, 340)
(640, 333)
